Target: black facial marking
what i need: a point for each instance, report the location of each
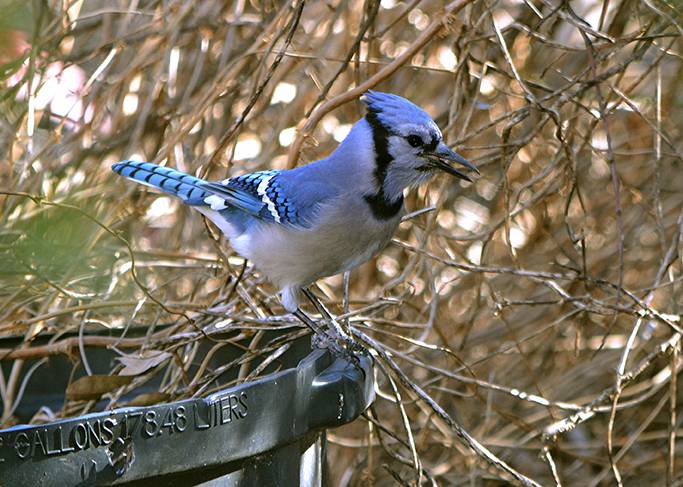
(380, 205)
(433, 142)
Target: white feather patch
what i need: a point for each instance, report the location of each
(217, 203)
(261, 190)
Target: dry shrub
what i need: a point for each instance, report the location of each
(537, 306)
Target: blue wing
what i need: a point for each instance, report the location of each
(247, 193)
(279, 196)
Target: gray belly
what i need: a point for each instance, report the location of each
(297, 257)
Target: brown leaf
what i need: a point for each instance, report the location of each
(136, 365)
(93, 386)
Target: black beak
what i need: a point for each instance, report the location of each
(443, 157)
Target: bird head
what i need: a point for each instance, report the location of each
(409, 147)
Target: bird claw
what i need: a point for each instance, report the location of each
(330, 335)
(320, 341)
(341, 344)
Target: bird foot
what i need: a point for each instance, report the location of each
(321, 341)
(333, 338)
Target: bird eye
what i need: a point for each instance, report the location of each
(414, 140)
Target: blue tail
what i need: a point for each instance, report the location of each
(169, 181)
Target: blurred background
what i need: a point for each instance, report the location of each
(538, 306)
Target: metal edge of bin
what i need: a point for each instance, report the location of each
(128, 444)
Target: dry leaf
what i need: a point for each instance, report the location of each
(93, 386)
(136, 365)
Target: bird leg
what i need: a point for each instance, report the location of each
(346, 299)
(334, 324)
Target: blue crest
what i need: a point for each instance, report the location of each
(393, 110)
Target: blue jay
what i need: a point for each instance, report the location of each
(326, 217)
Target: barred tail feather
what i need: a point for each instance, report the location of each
(170, 181)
